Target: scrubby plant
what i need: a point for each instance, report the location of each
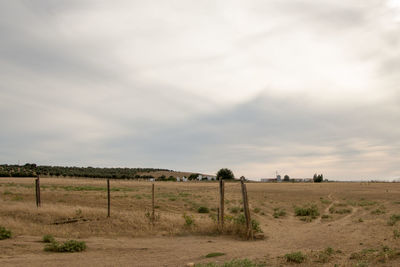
(68, 246)
(4, 233)
(235, 209)
(203, 209)
(296, 257)
(189, 220)
(394, 219)
(48, 239)
(307, 212)
(279, 212)
(214, 254)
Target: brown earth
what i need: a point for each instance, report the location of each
(353, 218)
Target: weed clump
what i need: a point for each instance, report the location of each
(4, 233)
(203, 210)
(394, 219)
(48, 239)
(307, 212)
(296, 257)
(279, 212)
(189, 220)
(68, 246)
(214, 254)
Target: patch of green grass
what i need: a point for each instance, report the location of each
(256, 210)
(325, 201)
(307, 212)
(325, 255)
(396, 233)
(394, 219)
(232, 263)
(235, 209)
(4, 233)
(296, 257)
(214, 254)
(326, 216)
(17, 198)
(363, 203)
(378, 211)
(203, 209)
(279, 212)
(6, 192)
(189, 220)
(68, 246)
(48, 239)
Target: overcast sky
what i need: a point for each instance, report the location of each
(297, 87)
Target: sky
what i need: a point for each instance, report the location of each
(293, 86)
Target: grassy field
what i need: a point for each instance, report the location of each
(348, 224)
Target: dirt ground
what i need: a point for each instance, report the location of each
(354, 220)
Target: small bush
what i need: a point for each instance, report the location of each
(378, 212)
(68, 246)
(256, 210)
(4, 233)
(296, 257)
(396, 234)
(394, 219)
(214, 254)
(203, 210)
(308, 212)
(234, 209)
(189, 220)
(279, 212)
(48, 239)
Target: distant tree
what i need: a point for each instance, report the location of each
(318, 178)
(193, 176)
(286, 178)
(225, 174)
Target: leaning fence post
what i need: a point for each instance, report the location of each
(108, 198)
(221, 203)
(153, 218)
(246, 210)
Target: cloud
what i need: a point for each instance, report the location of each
(294, 86)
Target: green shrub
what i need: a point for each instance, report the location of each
(394, 219)
(396, 233)
(214, 254)
(189, 220)
(279, 212)
(68, 246)
(235, 209)
(296, 257)
(4, 233)
(203, 210)
(308, 212)
(241, 221)
(48, 239)
(256, 210)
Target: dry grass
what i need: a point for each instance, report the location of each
(64, 198)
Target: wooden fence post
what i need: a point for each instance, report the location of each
(37, 190)
(108, 198)
(153, 217)
(246, 210)
(221, 203)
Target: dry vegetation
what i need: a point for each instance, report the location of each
(356, 223)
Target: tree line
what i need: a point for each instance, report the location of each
(33, 170)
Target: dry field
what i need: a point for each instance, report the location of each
(354, 222)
